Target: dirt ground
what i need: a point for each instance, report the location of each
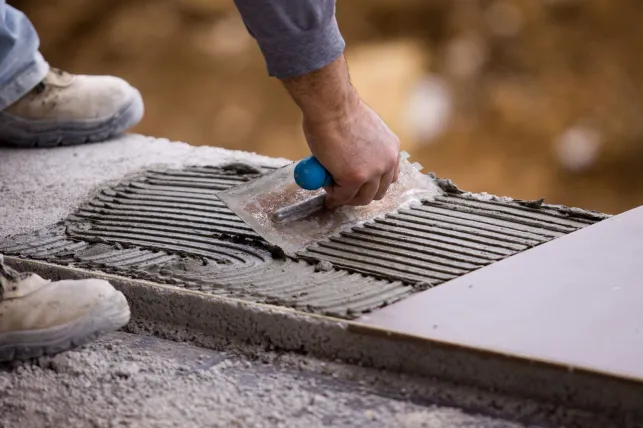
(526, 99)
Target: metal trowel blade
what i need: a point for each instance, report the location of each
(292, 218)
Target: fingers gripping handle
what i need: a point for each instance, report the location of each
(311, 175)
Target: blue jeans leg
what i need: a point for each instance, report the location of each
(22, 66)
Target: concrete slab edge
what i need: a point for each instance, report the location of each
(214, 321)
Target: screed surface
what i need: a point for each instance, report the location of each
(169, 225)
(575, 301)
(139, 381)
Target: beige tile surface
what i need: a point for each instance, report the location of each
(576, 301)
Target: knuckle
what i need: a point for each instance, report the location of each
(358, 177)
(391, 161)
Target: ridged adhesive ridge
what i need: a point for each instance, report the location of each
(169, 226)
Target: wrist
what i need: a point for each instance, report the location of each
(325, 95)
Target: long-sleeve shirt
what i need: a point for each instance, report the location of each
(295, 36)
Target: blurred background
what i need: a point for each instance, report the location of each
(517, 98)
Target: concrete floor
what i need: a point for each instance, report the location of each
(138, 380)
(134, 380)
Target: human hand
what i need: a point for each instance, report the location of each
(358, 150)
(346, 136)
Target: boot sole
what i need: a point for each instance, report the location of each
(108, 315)
(19, 132)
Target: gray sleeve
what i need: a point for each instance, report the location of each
(295, 36)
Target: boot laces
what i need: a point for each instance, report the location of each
(42, 85)
(9, 275)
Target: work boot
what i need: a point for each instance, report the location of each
(40, 317)
(67, 109)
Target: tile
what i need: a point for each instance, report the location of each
(576, 301)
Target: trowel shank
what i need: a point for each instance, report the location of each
(299, 210)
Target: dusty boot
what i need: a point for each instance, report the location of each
(66, 109)
(39, 317)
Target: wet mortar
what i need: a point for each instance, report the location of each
(168, 226)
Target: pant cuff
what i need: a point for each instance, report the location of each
(24, 81)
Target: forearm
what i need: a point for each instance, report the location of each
(326, 94)
(296, 37)
(303, 48)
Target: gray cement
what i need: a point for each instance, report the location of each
(139, 227)
(496, 386)
(40, 187)
(43, 197)
(444, 238)
(127, 380)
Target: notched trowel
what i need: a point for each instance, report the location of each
(286, 206)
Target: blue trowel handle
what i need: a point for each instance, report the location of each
(311, 175)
